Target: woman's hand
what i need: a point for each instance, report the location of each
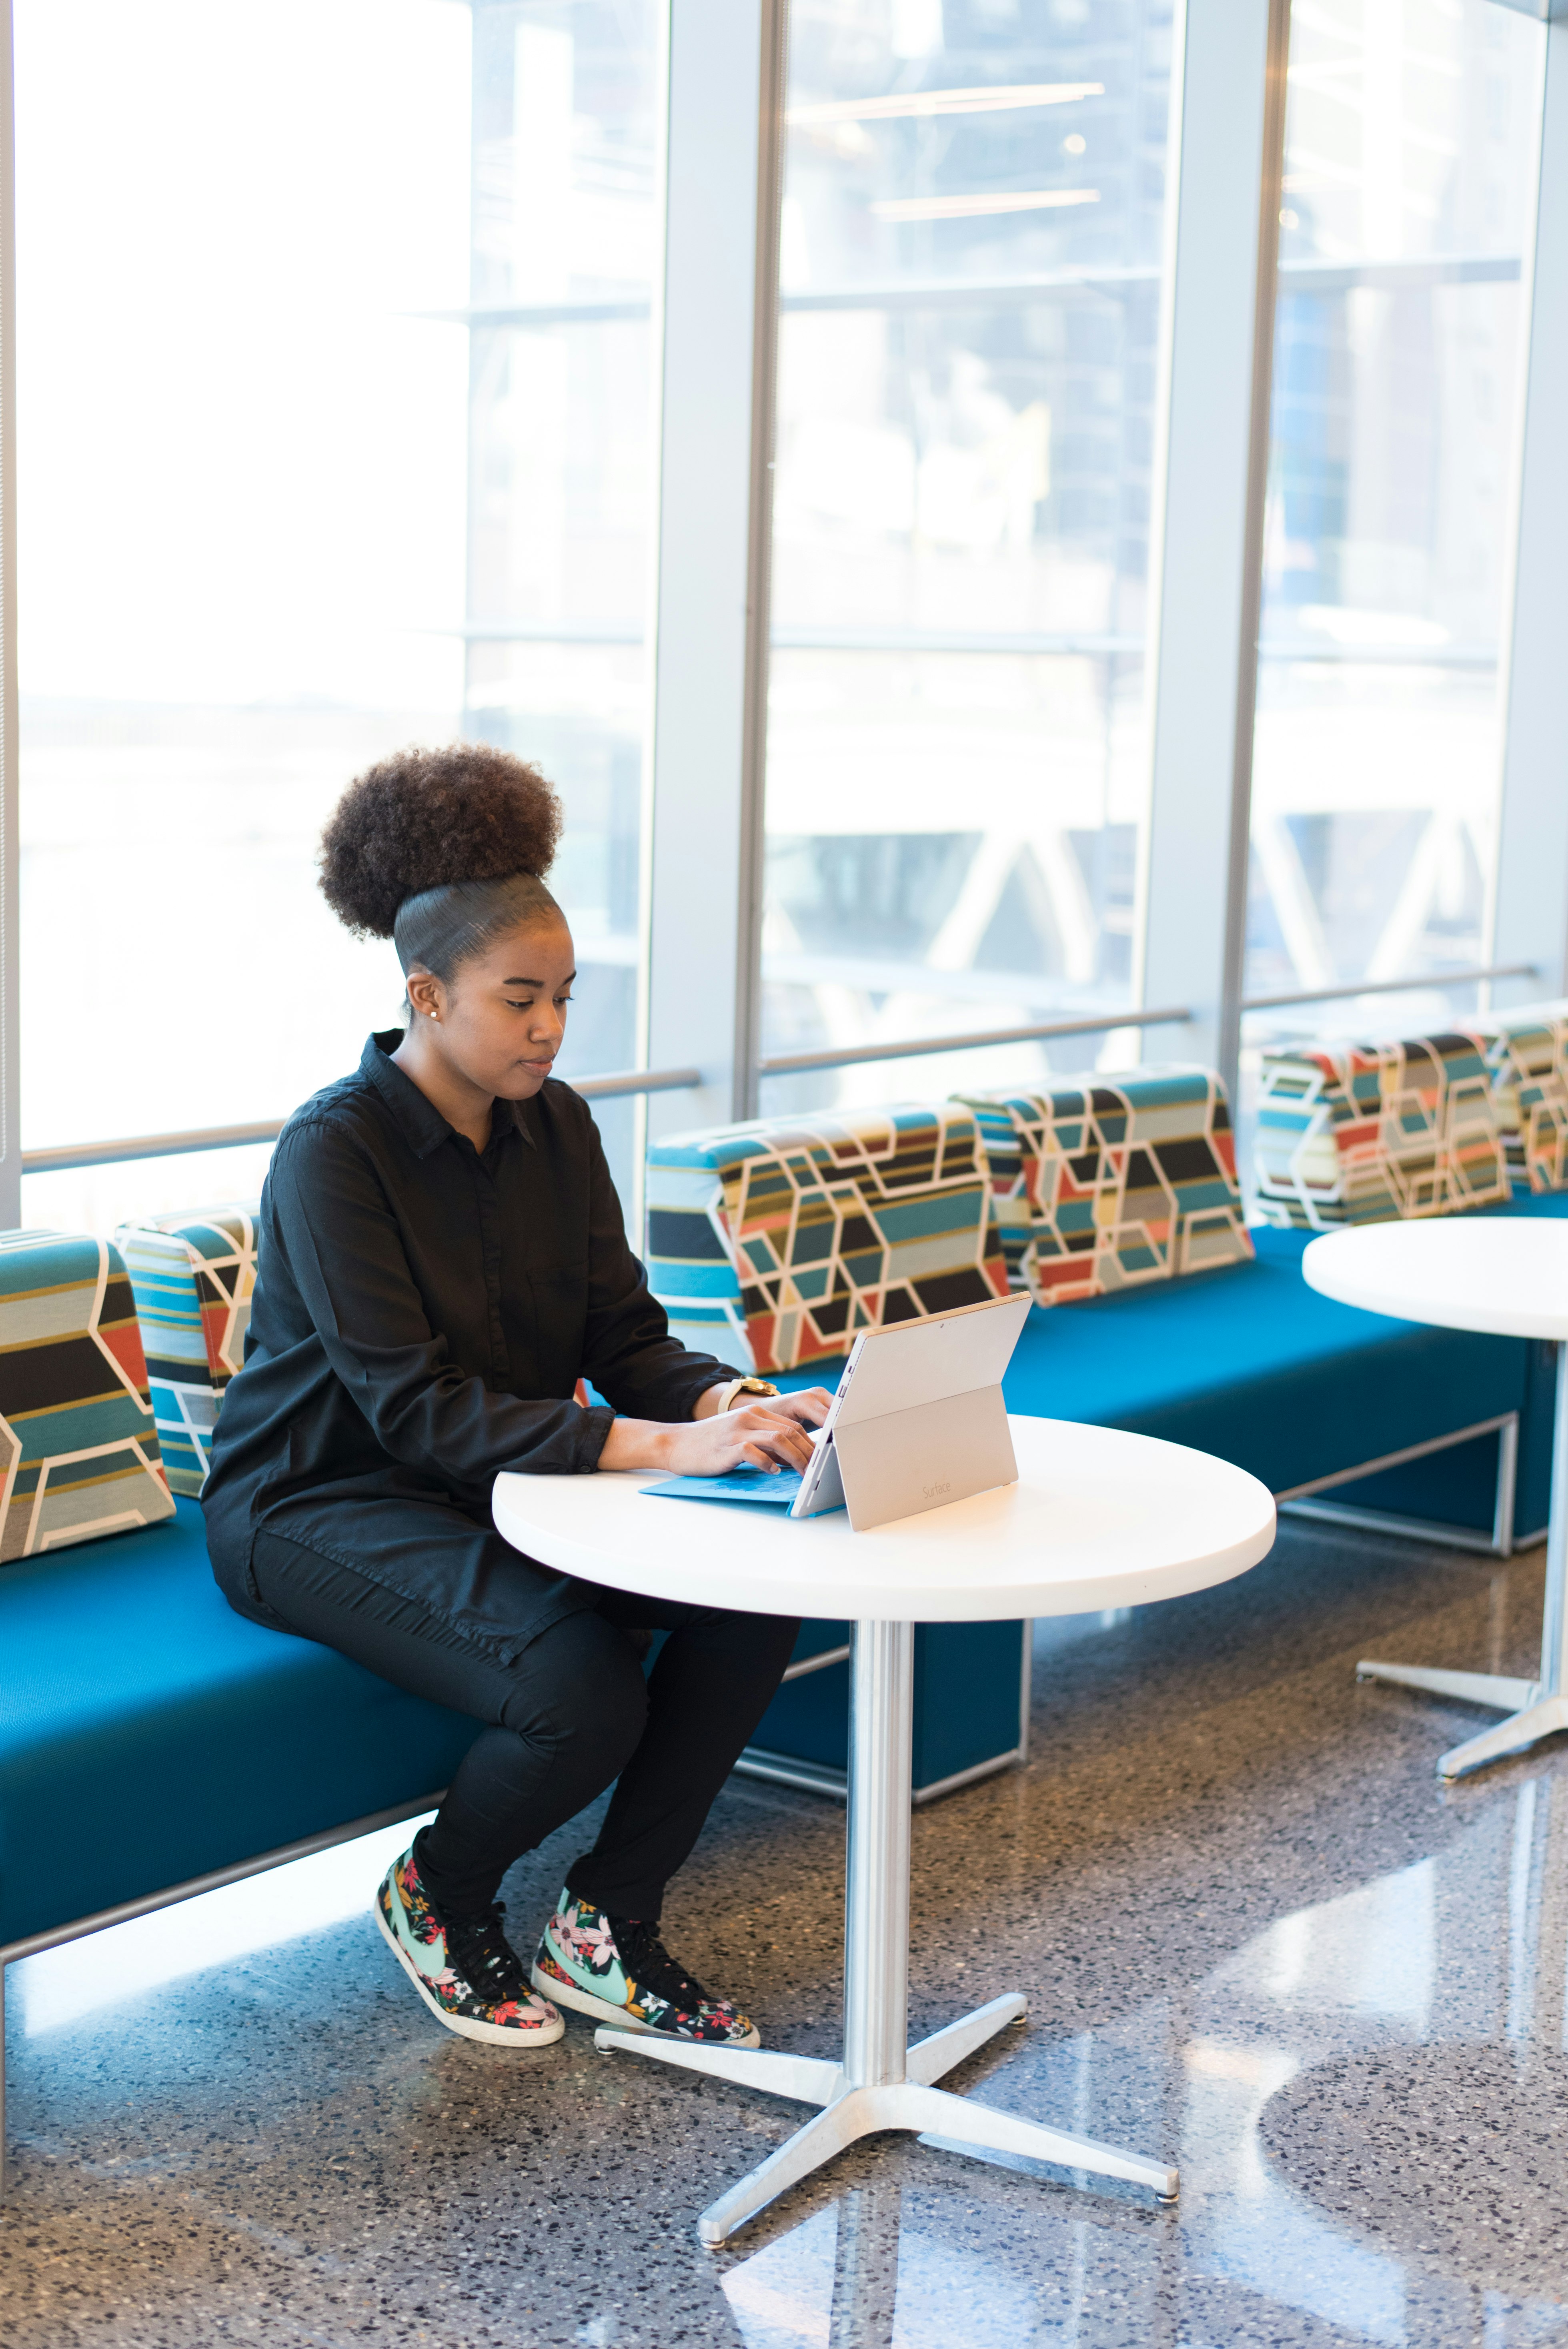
(762, 1431)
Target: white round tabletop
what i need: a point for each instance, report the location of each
(1506, 1274)
(1098, 1518)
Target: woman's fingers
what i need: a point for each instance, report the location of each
(811, 1406)
(783, 1450)
(773, 1451)
(782, 1437)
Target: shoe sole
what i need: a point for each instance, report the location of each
(493, 2034)
(584, 2002)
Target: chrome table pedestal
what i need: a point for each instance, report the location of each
(881, 2082)
(1536, 1709)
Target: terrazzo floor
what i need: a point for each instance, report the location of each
(1254, 1932)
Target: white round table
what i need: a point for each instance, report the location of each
(1096, 1519)
(1506, 1276)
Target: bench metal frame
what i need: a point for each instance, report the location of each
(1502, 1542)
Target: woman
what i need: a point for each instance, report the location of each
(441, 1259)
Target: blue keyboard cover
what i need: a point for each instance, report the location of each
(735, 1485)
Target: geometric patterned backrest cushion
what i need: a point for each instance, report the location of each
(774, 1243)
(1527, 1053)
(192, 1271)
(1363, 1133)
(1101, 1183)
(77, 1442)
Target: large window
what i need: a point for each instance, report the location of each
(339, 426)
(970, 304)
(333, 427)
(1410, 156)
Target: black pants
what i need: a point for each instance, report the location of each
(568, 1714)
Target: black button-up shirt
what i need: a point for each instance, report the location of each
(423, 1311)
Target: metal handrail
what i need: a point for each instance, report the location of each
(941, 293)
(636, 1080)
(624, 1084)
(1339, 994)
(908, 1048)
(792, 636)
(826, 636)
(69, 1154)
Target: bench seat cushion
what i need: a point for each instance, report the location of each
(193, 1272)
(79, 1448)
(148, 1735)
(1527, 1053)
(771, 1244)
(1361, 1133)
(1102, 1183)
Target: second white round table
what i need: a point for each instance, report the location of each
(1096, 1519)
(1506, 1276)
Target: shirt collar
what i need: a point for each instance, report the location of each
(418, 1120)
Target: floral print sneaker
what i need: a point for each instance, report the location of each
(467, 1973)
(617, 1970)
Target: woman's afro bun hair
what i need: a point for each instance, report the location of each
(423, 818)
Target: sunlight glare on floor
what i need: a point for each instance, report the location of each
(258, 1913)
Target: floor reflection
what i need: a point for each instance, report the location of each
(892, 2265)
(260, 1912)
(1369, 2103)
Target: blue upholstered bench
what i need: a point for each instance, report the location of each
(127, 1680)
(127, 1675)
(151, 1739)
(1252, 1364)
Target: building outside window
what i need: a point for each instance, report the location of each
(333, 436)
(1411, 148)
(970, 304)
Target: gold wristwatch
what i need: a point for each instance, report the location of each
(728, 1396)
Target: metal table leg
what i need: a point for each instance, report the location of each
(1536, 1708)
(1540, 1708)
(881, 2082)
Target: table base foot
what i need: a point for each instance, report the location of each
(1490, 1689)
(930, 2059)
(807, 2079)
(858, 2113)
(849, 2113)
(1516, 1735)
(958, 2120)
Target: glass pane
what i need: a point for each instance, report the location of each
(969, 314)
(1410, 145)
(315, 461)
